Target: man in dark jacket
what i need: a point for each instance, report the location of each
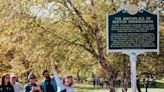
(49, 84)
(138, 84)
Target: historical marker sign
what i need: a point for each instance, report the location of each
(133, 32)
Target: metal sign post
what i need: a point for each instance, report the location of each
(133, 59)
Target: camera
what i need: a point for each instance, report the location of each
(37, 87)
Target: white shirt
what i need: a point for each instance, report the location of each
(60, 85)
(17, 87)
(69, 89)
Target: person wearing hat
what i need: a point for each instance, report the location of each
(66, 85)
(32, 86)
(17, 86)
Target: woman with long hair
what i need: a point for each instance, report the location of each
(5, 84)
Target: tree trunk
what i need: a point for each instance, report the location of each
(124, 85)
(95, 33)
(126, 73)
(78, 77)
(103, 61)
(111, 85)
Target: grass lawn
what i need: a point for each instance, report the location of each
(89, 88)
(118, 90)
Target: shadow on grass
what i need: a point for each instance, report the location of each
(89, 88)
(159, 85)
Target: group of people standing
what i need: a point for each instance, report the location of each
(146, 83)
(49, 84)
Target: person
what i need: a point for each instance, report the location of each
(6, 85)
(94, 83)
(97, 82)
(49, 83)
(146, 83)
(32, 86)
(154, 82)
(16, 85)
(138, 84)
(66, 85)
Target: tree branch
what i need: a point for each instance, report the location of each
(94, 16)
(76, 44)
(74, 9)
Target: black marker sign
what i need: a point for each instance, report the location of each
(136, 32)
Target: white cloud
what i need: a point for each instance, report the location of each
(46, 12)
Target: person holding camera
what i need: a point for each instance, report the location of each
(32, 86)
